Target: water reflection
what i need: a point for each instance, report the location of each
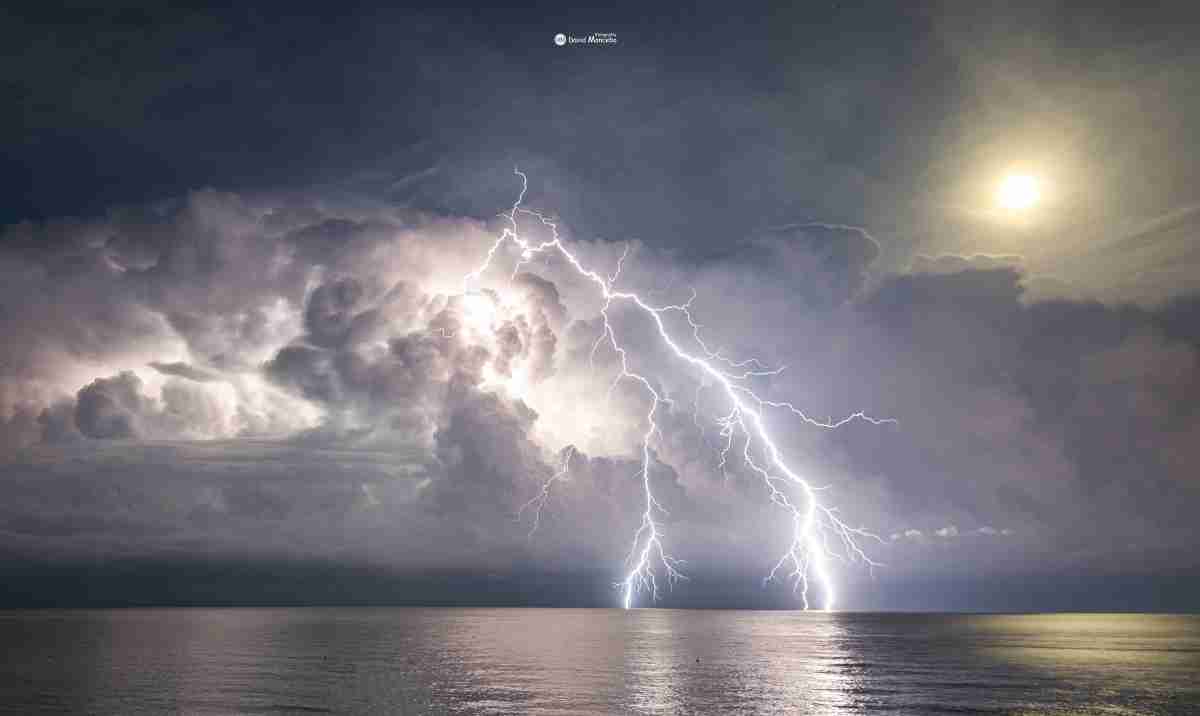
(748, 662)
(481, 661)
(1127, 663)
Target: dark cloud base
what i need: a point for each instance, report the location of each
(209, 583)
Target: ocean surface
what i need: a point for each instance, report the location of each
(579, 661)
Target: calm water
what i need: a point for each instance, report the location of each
(510, 661)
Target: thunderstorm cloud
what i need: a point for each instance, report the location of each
(223, 376)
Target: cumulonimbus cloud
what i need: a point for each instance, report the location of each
(312, 380)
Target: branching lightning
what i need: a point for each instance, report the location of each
(818, 533)
(538, 502)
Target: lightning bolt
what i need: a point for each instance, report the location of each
(818, 533)
(538, 502)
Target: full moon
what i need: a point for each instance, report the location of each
(1018, 191)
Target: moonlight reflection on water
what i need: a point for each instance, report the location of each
(559, 661)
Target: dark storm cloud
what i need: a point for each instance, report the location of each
(305, 369)
(330, 313)
(133, 283)
(543, 294)
(111, 407)
(117, 407)
(695, 131)
(488, 456)
(178, 499)
(826, 265)
(183, 370)
(1013, 411)
(1064, 417)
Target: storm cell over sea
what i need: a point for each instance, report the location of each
(833, 358)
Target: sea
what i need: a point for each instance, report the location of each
(582, 661)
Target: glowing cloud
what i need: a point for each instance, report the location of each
(818, 533)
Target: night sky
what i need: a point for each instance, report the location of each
(237, 367)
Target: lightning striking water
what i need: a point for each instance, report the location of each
(818, 534)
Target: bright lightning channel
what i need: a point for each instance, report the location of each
(818, 534)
